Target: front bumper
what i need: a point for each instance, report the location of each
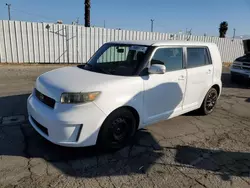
(66, 124)
(240, 72)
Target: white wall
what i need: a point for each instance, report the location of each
(31, 42)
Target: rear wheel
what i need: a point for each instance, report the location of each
(209, 102)
(117, 130)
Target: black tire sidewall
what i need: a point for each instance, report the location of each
(204, 109)
(103, 140)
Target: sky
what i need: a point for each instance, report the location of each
(170, 16)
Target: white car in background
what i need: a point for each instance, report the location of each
(125, 86)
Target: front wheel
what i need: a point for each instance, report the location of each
(209, 102)
(117, 130)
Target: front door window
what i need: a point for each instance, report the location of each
(172, 58)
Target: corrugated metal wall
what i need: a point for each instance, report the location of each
(31, 42)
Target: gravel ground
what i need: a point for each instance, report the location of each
(187, 151)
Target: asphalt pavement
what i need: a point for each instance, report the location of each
(186, 151)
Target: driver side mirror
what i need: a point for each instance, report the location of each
(157, 69)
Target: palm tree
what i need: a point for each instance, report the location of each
(87, 13)
(223, 29)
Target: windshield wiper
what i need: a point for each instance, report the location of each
(81, 66)
(84, 65)
(103, 71)
(96, 67)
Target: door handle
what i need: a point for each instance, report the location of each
(209, 71)
(181, 77)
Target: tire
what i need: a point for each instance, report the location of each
(117, 130)
(209, 102)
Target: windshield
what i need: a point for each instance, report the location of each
(117, 59)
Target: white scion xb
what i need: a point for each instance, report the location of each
(125, 86)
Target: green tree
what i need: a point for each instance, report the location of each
(223, 29)
(87, 13)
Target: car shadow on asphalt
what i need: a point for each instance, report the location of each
(13, 105)
(136, 158)
(240, 83)
(21, 140)
(223, 163)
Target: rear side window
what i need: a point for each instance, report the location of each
(170, 57)
(197, 57)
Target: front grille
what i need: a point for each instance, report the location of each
(236, 67)
(246, 64)
(246, 68)
(39, 126)
(45, 99)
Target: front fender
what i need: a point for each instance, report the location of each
(127, 93)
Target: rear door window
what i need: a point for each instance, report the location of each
(197, 57)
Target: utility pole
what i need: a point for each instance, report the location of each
(234, 33)
(152, 25)
(189, 33)
(8, 10)
(77, 53)
(87, 13)
(77, 20)
(104, 24)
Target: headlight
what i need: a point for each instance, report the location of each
(79, 97)
(236, 65)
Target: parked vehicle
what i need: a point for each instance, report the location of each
(125, 86)
(240, 68)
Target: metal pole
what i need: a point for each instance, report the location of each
(104, 25)
(77, 21)
(234, 33)
(152, 25)
(87, 13)
(8, 10)
(67, 42)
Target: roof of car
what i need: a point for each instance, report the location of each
(163, 43)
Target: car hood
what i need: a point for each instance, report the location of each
(245, 58)
(72, 79)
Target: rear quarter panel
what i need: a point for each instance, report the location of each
(217, 63)
(217, 69)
